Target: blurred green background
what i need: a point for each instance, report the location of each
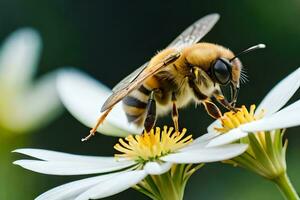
(109, 39)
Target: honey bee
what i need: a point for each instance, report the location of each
(186, 71)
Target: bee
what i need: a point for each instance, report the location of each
(186, 71)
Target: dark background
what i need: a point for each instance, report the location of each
(109, 39)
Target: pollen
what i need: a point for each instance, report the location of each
(151, 146)
(234, 119)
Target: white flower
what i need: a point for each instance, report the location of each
(150, 154)
(25, 106)
(141, 156)
(84, 96)
(268, 116)
(263, 129)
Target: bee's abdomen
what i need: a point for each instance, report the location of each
(135, 105)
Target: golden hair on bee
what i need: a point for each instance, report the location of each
(186, 71)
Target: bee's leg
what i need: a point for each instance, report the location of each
(99, 122)
(223, 101)
(212, 109)
(175, 113)
(150, 113)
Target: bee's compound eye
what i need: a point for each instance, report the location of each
(221, 71)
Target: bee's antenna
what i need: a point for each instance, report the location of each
(259, 46)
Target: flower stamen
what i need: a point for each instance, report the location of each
(150, 146)
(234, 119)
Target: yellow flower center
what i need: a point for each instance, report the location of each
(234, 119)
(151, 146)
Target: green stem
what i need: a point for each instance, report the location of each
(166, 186)
(285, 186)
(170, 185)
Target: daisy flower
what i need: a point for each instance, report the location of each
(263, 129)
(157, 164)
(25, 105)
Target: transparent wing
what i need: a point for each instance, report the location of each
(190, 36)
(144, 73)
(128, 79)
(195, 32)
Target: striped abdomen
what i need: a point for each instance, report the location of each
(135, 105)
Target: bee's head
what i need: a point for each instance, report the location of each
(228, 71)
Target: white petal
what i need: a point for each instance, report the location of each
(280, 94)
(73, 189)
(227, 138)
(293, 106)
(113, 186)
(204, 155)
(200, 141)
(212, 126)
(155, 168)
(84, 96)
(279, 120)
(35, 107)
(71, 168)
(206, 137)
(59, 156)
(18, 58)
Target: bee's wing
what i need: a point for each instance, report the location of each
(195, 32)
(135, 79)
(128, 79)
(190, 36)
